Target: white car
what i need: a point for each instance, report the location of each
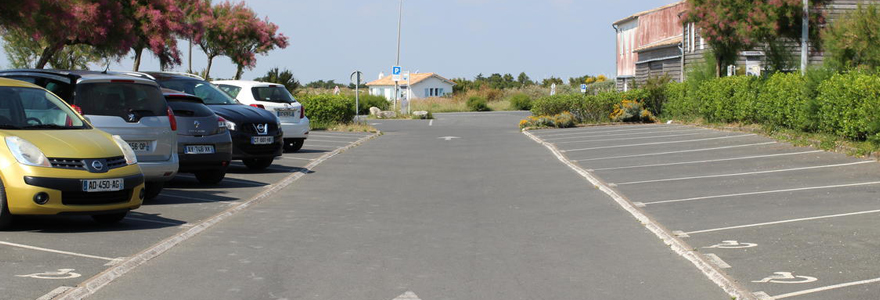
(275, 98)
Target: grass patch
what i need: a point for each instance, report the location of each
(446, 105)
(823, 141)
(354, 127)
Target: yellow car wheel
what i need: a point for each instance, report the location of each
(5, 216)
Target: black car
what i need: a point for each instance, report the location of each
(256, 133)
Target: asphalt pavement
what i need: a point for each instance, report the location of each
(785, 222)
(461, 207)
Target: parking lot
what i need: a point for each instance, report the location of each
(785, 222)
(45, 254)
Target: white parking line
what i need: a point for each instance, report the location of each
(708, 161)
(785, 221)
(632, 138)
(826, 288)
(763, 193)
(55, 251)
(621, 134)
(629, 128)
(678, 152)
(746, 173)
(233, 179)
(314, 133)
(661, 143)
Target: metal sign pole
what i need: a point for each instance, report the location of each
(356, 77)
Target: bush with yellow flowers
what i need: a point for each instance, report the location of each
(563, 120)
(632, 112)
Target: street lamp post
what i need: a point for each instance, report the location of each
(396, 85)
(805, 37)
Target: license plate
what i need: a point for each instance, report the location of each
(285, 113)
(262, 140)
(103, 185)
(141, 146)
(199, 149)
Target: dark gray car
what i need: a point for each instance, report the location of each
(204, 144)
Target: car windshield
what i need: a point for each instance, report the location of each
(203, 89)
(31, 108)
(230, 89)
(277, 94)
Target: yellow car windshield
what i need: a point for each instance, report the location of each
(35, 109)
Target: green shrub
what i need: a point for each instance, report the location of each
(729, 99)
(631, 111)
(367, 101)
(783, 102)
(521, 102)
(587, 109)
(563, 120)
(477, 103)
(678, 103)
(849, 105)
(326, 110)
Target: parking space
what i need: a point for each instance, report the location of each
(786, 222)
(41, 254)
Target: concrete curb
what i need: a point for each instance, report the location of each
(92, 285)
(679, 246)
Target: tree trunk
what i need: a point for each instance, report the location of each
(208, 69)
(239, 72)
(138, 53)
(718, 66)
(48, 53)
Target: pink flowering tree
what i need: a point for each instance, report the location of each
(731, 26)
(260, 37)
(235, 31)
(98, 23)
(197, 13)
(156, 24)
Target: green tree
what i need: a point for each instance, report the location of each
(852, 41)
(284, 78)
(547, 82)
(23, 52)
(524, 80)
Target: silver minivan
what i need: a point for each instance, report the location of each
(130, 107)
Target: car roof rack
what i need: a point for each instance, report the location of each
(133, 73)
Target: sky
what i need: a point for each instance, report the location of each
(329, 39)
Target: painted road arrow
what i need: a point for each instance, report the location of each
(448, 138)
(409, 295)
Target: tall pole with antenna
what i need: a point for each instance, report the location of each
(396, 85)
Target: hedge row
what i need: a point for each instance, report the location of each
(585, 108)
(844, 104)
(325, 110)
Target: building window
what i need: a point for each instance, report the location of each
(440, 92)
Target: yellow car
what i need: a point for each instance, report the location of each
(52, 161)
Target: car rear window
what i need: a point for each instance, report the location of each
(203, 89)
(276, 94)
(230, 89)
(189, 108)
(120, 99)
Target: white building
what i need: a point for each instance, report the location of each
(423, 85)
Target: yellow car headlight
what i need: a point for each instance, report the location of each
(26, 153)
(130, 156)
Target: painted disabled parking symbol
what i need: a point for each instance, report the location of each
(732, 245)
(786, 277)
(60, 274)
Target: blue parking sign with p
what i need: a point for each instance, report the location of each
(395, 70)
